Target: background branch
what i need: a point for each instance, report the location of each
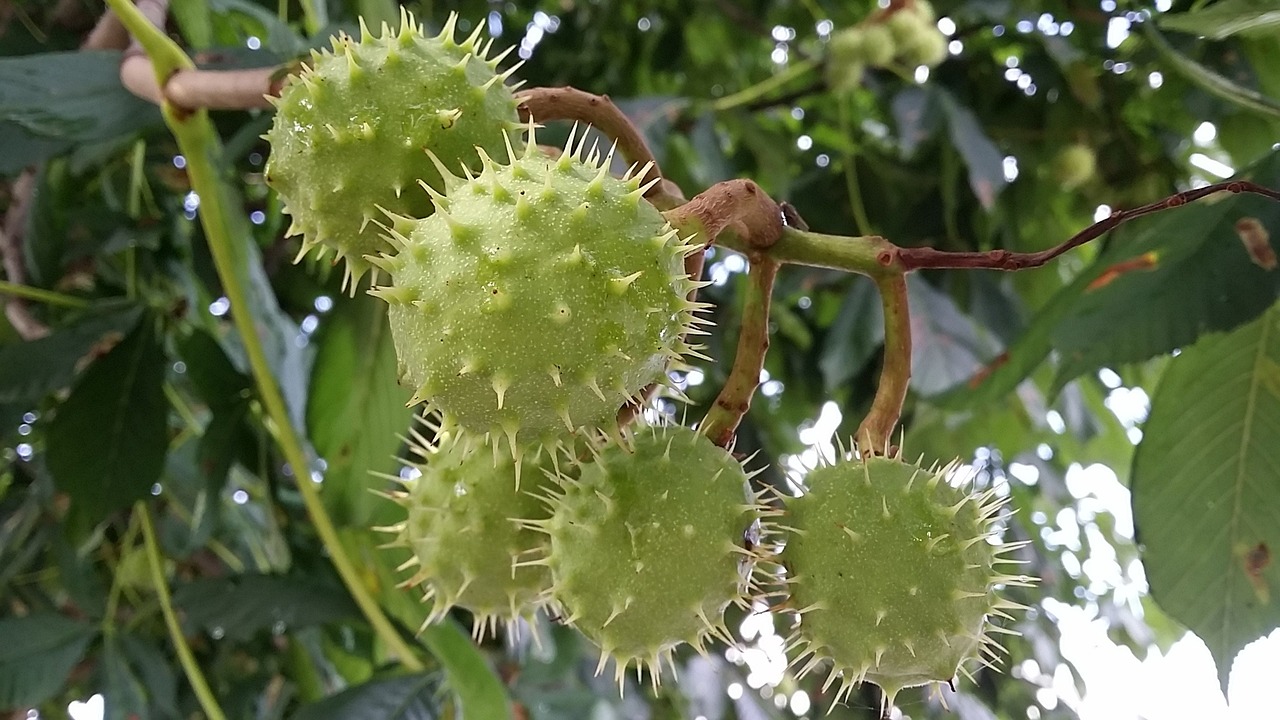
(918, 258)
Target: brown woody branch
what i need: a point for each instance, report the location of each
(919, 258)
(545, 104)
(736, 212)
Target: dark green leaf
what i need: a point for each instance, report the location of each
(980, 155)
(37, 653)
(918, 116)
(75, 96)
(31, 370)
(1189, 262)
(854, 336)
(1227, 17)
(1205, 497)
(241, 605)
(1208, 80)
(216, 379)
(947, 347)
(108, 441)
(356, 411)
(411, 697)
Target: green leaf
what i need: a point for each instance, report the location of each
(980, 155)
(1208, 80)
(356, 410)
(106, 446)
(37, 653)
(1205, 497)
(411, 697)
(31, 370)
(947, 346)
(1227, 17)
(73, 96)
(1188, 262)
(241, 605)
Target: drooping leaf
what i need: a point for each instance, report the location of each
(854, 335)
(1208, 80)
(980, 154)
(37, 653)
(1225, 18)
(70, 97)
(106, 446)
(356, 411)
(31, 370)
(410, 697)
(1205, 493)
(241, 605)
(216, 379)
(142, 662)
(918, 115)
(947, 347)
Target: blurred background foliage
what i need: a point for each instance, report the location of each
(138, 389)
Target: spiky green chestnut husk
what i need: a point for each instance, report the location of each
(540, 296)
(469, 547)
(350, 132)
(892, 572)
(646, 545)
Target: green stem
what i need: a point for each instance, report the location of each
(113, 596)
(753, 343)
(199, 144)
(863, 255)
(48, 297)
(764, 87)
(875, 433)
(189, 666)
(849, 158)
(311, 20)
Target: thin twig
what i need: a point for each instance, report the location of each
(734, 400)
(545, 104)
(918, 258)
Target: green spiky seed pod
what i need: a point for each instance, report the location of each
(468, 548)
(646, 545)
(538, 298)
(878, 47)
(892, 572)
(350, 132)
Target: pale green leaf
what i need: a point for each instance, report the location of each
(1205, 492)
(1227, 17)
(356, 410)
